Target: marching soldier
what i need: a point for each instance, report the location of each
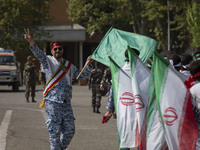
(94, 83)
(29, 69)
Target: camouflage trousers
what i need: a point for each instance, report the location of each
(30, 87)
(96, 95)
(60, 124)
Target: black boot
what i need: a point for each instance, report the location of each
(98, 111)
(93, 109)
(33, 100)
(27, 100)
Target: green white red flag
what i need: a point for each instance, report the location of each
(130, 87)
(173, 103)
(115, 43)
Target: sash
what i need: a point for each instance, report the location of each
(55, 78)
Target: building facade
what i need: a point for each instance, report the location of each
(77, 44)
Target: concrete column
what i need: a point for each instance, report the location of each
(80, 55)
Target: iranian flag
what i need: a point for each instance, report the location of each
(130, 86)
(173, 103)
(115, 43)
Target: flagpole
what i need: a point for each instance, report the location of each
(87, 63)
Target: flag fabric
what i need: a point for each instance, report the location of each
(115, 43)
(155, 138)
(173, 103)
(130, 87)
(140, 76)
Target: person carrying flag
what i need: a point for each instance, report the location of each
(194, 90)
(58, 92)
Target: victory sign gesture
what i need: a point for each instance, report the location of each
(28, 37)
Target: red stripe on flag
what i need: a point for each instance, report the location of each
(143, 139)
(137, 134)
(188, 128)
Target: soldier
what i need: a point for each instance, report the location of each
(106, 80)
(43, 78)
(94, 83)
(59, 73)
(29, 69)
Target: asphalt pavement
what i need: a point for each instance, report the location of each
(23, 124)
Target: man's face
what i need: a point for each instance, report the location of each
(57, 52)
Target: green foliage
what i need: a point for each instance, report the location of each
(98, 15)
(193, 19)
(147, 17)
(17, 15)
(157, 14)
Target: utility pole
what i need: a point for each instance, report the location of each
(168, 25)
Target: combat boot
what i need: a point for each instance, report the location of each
(93, 109)
(27, 100)
(98, 111)
(33, 100)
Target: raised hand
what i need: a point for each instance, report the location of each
(28, 37)
(89, 60)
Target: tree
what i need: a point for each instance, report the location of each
(157, 15)
(147, 17)
(17, 15)
(193, 19)
(98, 15)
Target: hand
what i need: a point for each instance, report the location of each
(28, 37)
(101, 87)
(89, 60)
(108, 112)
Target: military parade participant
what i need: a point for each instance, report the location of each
(94, 83)
(194, 90)
(106, 80)
(29, 69)
(58, 92)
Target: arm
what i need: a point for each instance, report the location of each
(104, 78)
(110, 103)
(89, 81)
(86, 71)
(39, 54)
(28, 37)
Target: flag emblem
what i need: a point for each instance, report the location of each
(127, 99)
(139, 104)
(170, 116)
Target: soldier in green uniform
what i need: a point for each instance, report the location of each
(29, 69)
(94, 83)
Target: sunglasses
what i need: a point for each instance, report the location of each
(57, 48)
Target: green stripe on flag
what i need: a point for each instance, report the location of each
(115, 84)
(159, 70)
(115, 43)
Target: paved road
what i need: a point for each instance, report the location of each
(25, 122)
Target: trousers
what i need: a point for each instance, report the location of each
(59, 124)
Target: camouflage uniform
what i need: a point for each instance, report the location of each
(29, 69)
(60, 121)
(106, 79)
(94, 83)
